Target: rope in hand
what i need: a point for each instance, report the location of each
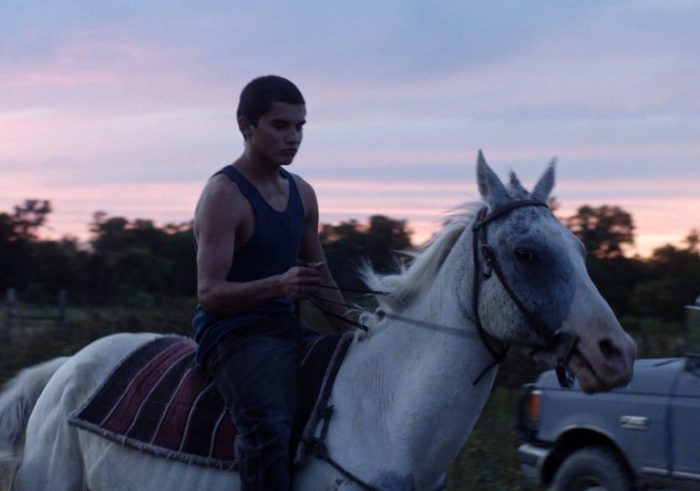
(353, 290)
(454, 331)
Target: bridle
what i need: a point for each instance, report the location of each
(561, 342)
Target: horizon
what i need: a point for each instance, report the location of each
(420, 236)
(129, 109)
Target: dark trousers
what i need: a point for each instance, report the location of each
(255, 369)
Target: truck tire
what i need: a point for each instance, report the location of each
(599, 468)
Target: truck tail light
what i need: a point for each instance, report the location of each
(533, 407)
(529, 407)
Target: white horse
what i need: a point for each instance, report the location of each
(407, 395)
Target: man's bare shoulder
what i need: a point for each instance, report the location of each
(221, 186)
(219, 205)
(303, 186)
(219, 190)
(308, 198)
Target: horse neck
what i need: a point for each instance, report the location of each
(423, 379)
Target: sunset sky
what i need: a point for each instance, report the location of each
(128, 107)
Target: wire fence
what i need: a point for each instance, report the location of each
(19, 316)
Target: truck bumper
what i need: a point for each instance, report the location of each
(531, 459)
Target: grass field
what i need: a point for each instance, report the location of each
(487, 462)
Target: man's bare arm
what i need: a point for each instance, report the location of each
(312, 252)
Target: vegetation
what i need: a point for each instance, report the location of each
(136, 276)
(488, 460)
(137, 263)
(604, 230)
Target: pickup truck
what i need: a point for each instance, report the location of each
(646, 434)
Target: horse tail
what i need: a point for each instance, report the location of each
(17, 400)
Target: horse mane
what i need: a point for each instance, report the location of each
(401, 288)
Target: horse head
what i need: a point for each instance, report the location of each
(532, 287)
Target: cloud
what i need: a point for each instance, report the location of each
(73, 206)
(78, 146)
(110, 101)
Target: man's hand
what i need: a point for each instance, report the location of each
(300, 281)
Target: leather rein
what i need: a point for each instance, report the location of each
(560, 342)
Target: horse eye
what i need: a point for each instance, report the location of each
(525, 255)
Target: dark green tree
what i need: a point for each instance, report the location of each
(604, 230)
(56, 265)
(674, 281)
(17, 230)
(29, 217)
(350, 244)
(386, 236)
(139, 262)
(616, 278)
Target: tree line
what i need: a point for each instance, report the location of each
(136, 262)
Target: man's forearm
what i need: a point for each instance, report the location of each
(227, 297)
(335, 305)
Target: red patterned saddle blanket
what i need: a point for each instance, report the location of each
(158, 401)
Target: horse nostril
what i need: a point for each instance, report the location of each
(608, 349)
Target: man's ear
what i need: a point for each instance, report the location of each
(245, 127)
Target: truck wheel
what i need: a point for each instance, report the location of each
(599, 468)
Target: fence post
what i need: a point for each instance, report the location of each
(61, 317)
(10, 313)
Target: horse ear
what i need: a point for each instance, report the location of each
(491, 188)
(515, 187)
(545, 184)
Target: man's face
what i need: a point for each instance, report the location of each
(277, 136)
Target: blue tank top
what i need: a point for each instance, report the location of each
(271, 250)
(274, 246)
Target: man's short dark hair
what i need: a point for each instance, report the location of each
(260, 93)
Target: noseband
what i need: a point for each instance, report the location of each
(561, 342)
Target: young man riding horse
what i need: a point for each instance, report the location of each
(255, 223)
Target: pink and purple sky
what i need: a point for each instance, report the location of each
(128, 107)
